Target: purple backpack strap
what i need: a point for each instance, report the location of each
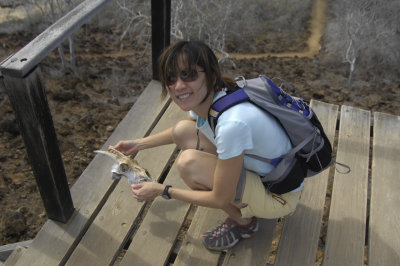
(223, 103)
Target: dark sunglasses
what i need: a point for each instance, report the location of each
(184, 75)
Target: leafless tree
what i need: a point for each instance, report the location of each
(134, 23)
(202, 20)
(224, 22)
(50, 11)
(366, 34)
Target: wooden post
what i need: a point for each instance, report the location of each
(28, 99)
(161, 30)
(22, 81)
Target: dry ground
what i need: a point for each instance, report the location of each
(87, 108)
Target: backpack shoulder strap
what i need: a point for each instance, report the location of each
(224, 103)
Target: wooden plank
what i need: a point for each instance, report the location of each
(6, 250)
(299, 240)
(156, 236)
(109, 230)
(192, 251)
(253, 251)
(347, 217)
(55, 241)
(384, 226)
(15, 256)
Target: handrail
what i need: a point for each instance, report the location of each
(21, 77)
(33, 53)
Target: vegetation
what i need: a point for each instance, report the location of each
(365, 34)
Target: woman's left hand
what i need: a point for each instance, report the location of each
(147, 191)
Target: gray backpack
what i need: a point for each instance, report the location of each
(311, 152)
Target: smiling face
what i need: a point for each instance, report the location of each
(187, 87)
(190, 90)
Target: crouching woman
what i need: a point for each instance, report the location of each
(216, 167)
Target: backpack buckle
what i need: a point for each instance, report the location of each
(241, 81)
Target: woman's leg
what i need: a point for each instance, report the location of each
(198, 159)
(186, 136)
(197, 166)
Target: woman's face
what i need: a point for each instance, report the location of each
(188, 89)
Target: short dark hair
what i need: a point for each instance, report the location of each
(193, 53)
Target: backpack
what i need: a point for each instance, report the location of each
(311, 152)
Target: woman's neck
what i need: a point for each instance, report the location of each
(203, 108)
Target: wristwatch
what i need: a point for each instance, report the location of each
(165, 193)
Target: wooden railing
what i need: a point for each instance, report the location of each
(21, 78)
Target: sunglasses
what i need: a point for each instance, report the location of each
(184, 75)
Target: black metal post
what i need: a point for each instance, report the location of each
(28, 99)
(161, 30)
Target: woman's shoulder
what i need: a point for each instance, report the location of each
(244, 112)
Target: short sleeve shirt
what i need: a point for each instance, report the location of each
(245, 127)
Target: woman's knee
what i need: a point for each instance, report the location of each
(193, 172)
(185, 162)
(184, 134)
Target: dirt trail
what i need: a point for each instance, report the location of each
(317, 24)
(13, 19)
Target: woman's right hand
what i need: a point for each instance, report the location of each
(127, 147)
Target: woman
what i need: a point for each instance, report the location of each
(212, 165)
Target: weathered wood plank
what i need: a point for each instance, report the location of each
(347, 217)
(56, 241)
(6, 250)
(298, 244)
(156, 235)
(384, 226)
(109, 230)
(253, 251)
(192, 251)
(15, 256)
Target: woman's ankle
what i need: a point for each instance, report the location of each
(241, 220)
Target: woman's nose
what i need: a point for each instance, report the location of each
(180, 84)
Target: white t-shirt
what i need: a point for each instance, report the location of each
(245, 127)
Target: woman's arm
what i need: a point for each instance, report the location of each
(132, 146)
(221, 196)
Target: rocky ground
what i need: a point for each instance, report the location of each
(87, 107)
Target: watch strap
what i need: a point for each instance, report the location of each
(165, 193)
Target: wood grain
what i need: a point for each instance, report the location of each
(384, 226)
(347, 217)
(110, 230)
(55, 241)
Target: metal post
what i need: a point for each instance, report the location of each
(28, 99)
(161, 30)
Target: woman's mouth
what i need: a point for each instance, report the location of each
(184, 96)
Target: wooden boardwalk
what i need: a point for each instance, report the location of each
(110, 227)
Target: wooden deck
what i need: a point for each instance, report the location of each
(110, 227)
